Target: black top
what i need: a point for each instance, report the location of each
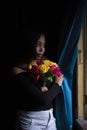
(28, 96)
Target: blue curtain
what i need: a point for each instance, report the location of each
(67, 60)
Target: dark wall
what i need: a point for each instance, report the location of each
(19, 22)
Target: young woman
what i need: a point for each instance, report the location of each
(34, 106)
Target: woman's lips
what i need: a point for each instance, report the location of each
(40, 54)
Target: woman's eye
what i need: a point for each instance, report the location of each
(40, 44)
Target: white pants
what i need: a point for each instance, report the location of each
(38, 120)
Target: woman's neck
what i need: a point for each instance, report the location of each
(38, 58)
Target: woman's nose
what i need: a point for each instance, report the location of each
(41, 48)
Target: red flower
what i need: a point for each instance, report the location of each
(39, 62)
(34, 73)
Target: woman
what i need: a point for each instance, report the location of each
(34, 106)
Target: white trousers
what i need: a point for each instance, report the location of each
(37, 120)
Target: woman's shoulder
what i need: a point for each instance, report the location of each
(18, 69)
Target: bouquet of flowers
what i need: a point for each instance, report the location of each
(45, 70)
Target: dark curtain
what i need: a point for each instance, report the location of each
(67, 61)
(62, 23)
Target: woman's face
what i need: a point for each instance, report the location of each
(40, 47)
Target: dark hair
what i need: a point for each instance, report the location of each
(27, 52)
(36, 36)
(34, 39)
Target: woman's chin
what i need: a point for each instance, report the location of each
(39, 56)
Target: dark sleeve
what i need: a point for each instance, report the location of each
(25, 87)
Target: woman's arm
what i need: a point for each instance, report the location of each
(25, 88)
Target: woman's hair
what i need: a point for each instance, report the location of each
(27, 53)
(34, 39)
(25, 50)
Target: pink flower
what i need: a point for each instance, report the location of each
(56, 70)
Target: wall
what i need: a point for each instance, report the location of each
(80, 77)
(82, 71)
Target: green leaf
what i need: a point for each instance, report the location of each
(50, 78)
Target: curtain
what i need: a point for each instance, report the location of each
(67, 60)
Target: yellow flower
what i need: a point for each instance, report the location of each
(30, 66)
(43, 68)
(49, 63)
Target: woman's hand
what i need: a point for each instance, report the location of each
(59, 80)
(44, 89)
